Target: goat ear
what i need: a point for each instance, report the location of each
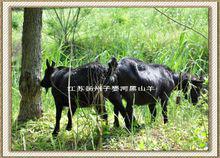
(198, 81)
(201, 78)
(53, 64)
(47, 63)
(113, 63)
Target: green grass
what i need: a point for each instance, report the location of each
(142, 33)
(187, 130)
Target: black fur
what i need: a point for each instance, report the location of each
(134, 72)
(92, 74)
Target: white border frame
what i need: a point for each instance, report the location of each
(212, 91)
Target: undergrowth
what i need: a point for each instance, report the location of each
(101, 33)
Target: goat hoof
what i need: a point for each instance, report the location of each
(55, 133)
(165, 121)
(68, 128)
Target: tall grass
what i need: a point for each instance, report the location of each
(141, 33)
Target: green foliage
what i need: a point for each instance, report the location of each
(141, 33)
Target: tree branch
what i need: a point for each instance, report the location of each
(180, 23)
(60, 21)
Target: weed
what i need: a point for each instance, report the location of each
(141, 33)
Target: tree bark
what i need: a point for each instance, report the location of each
(29, 84)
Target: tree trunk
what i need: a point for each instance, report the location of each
(29, 85)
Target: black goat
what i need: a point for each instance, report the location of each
(92, 74)
(158, 81)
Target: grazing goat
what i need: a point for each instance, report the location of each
(67, 81)
(158, 81)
